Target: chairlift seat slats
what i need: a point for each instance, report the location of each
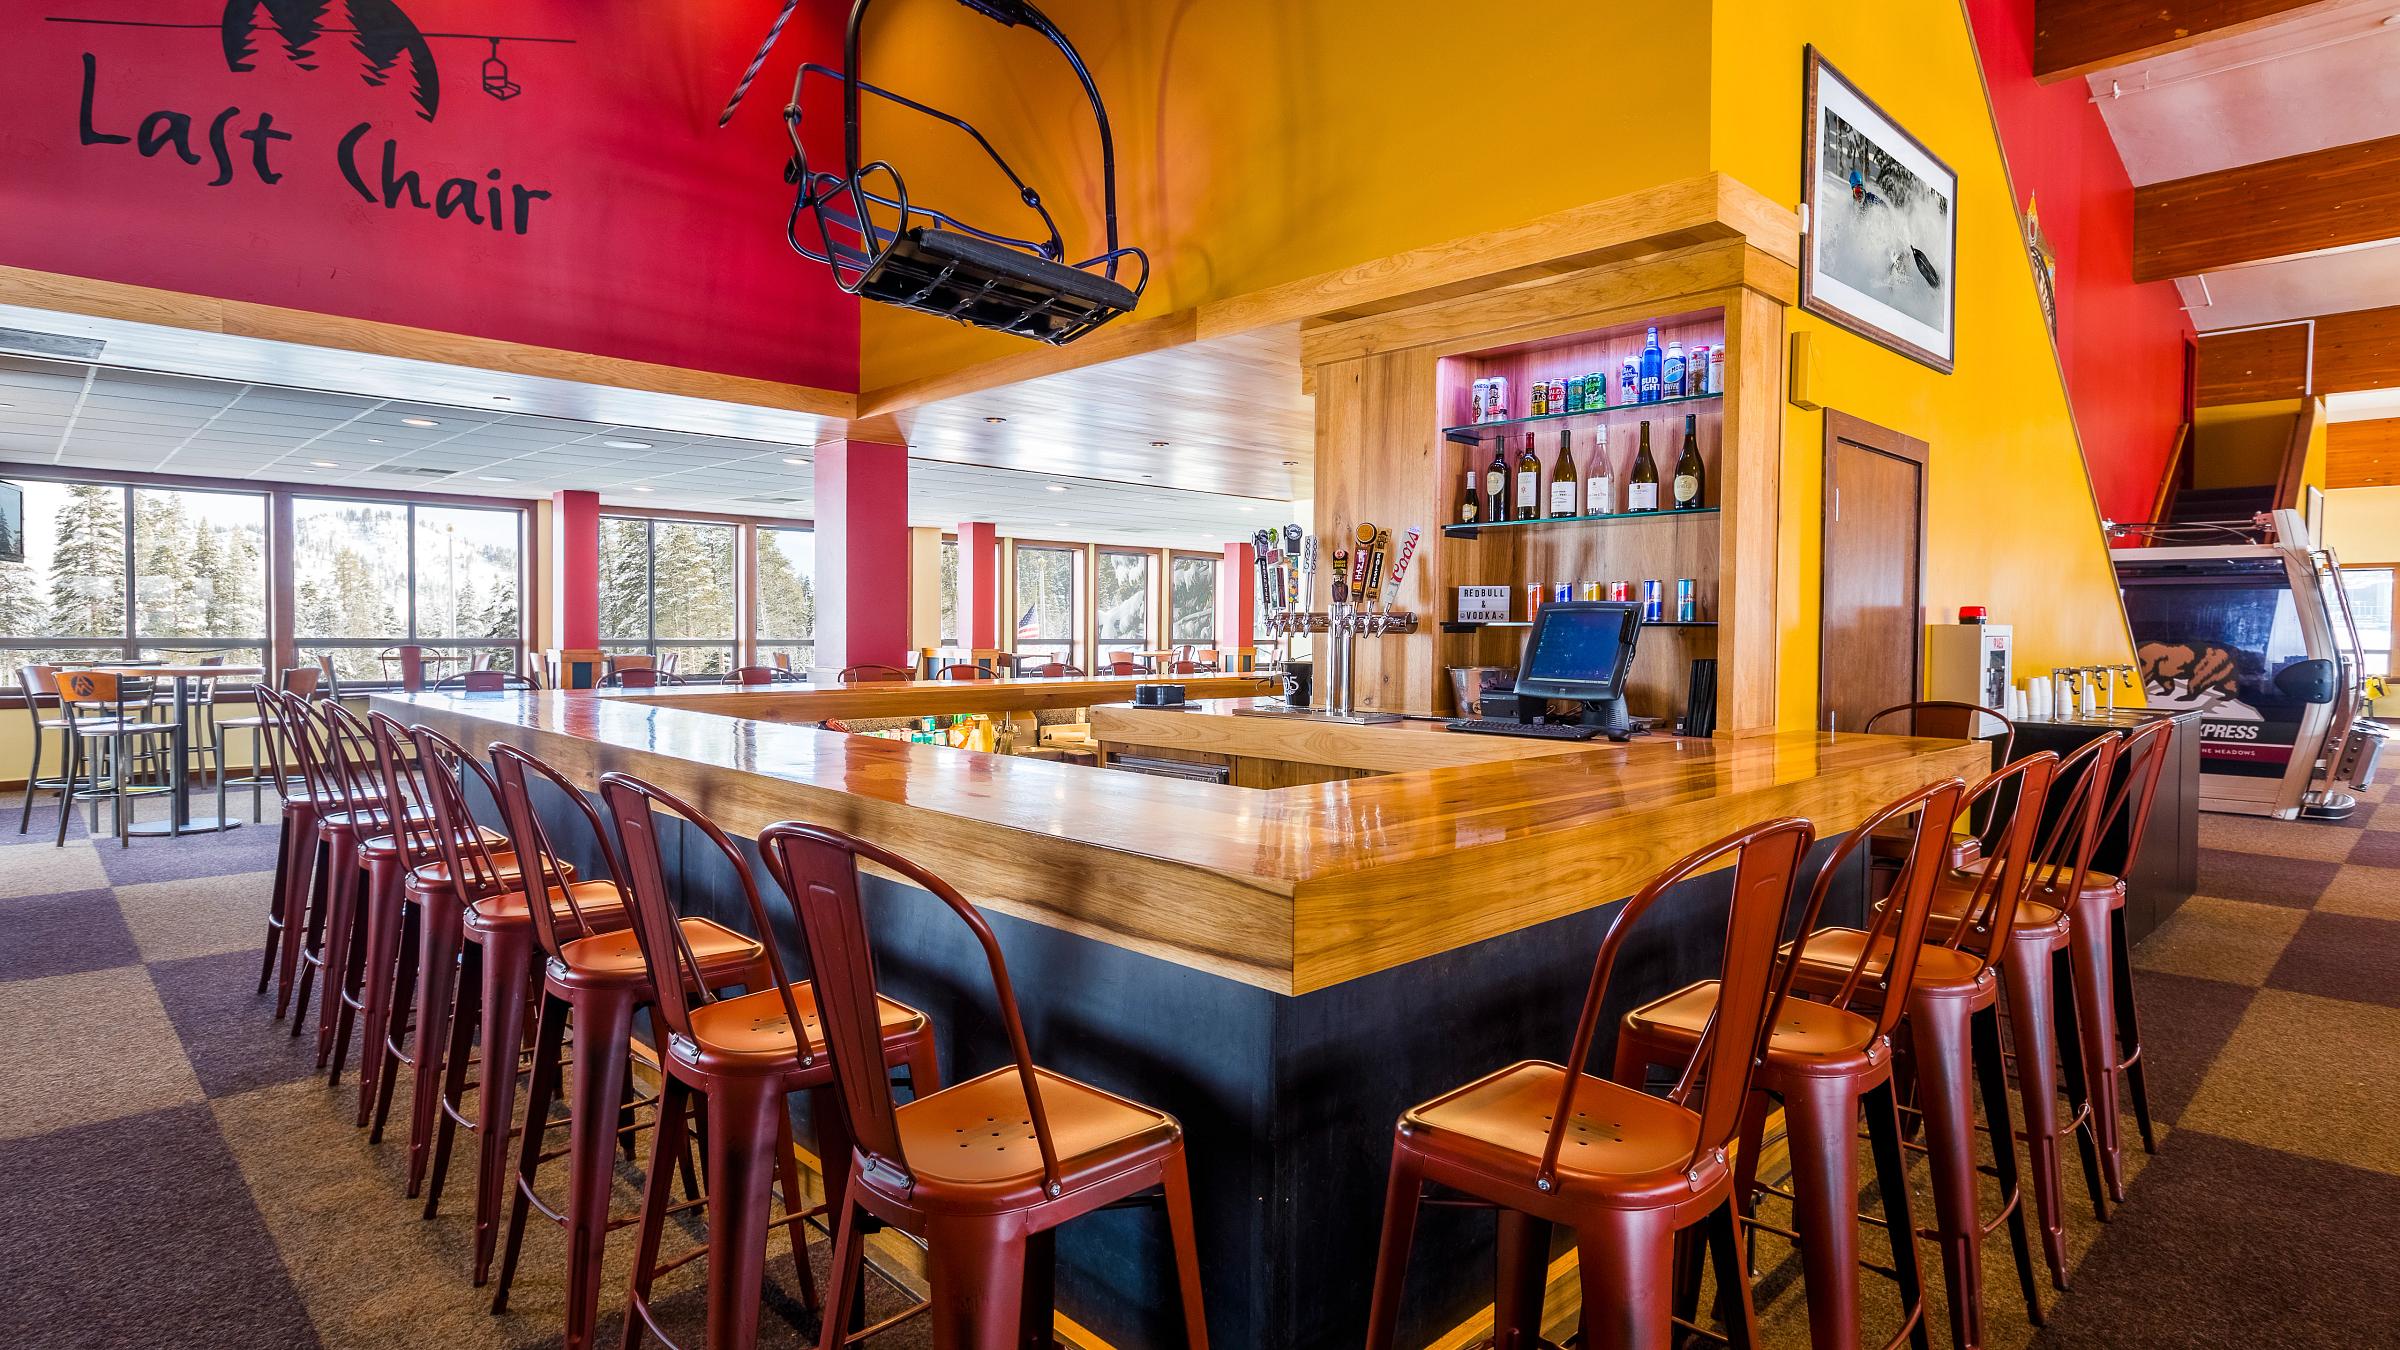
(992, 286)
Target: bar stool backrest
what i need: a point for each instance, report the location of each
(1056, 670)
(872, 674)
(304, 741)
(1121, 668)
(963, 672)
(37, 682)
(2143, 759)
(1900, 921)
(818, 868)
(410, 800)
(1982, 927)
(362, 774)
(632, 806)
(632, 677)
(272, 733)
(445, 767)
(752, 675)
(1949, 718)
(100, 694)
(301, 680)
(1733, 1042)
(513, 773)
(2079, 788)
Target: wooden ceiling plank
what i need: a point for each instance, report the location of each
(2357, 349)
(2077, 37)
(2306, 203)
(2362, 454)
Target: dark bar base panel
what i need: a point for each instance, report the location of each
(1287, 1104)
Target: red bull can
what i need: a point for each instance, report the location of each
(1565, 590)
(1654, 604)
(1687, 608)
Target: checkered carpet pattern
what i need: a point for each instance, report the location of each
(177, 1175)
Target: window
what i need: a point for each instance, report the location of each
(114, 573)
(787, 596)
(949, 631)
(1192, 599)
(369, 576)
(666, 590)
(1124, 598)
(2370, 590)
(1046, 608)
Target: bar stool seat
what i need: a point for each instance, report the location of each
(737, 1034)
(376, 848)
(1810, 1039)
(1830, 954)
(2033, 916)
(974, 1141)
(616, 957)
(1624, 1149)
(600, 902)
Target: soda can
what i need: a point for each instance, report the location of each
(1565, 590)
(1716, 370)
(1687, 609)
(1695, 370)
(1654, 605)
(1629, 382)
(1495, 399)
(1479, 400)
(1558, 396)
(1540, 406)
(1533, 600)
(1574, 393)
(1620, 590)
(1590, 590)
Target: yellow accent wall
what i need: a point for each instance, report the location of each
(2242, 444)
(1259, 141)
(2010, 518)
(2362, 525)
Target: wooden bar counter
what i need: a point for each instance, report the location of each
(1284, 968)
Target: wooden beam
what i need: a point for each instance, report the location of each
(2363, 454)
(2076, 37)
(2357, 349)
(2324, 199)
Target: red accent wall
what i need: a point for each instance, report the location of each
(575, 562)
(979, 585)
(660, 239)
(862, 554)
(2122, 342)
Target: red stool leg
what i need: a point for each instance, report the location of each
(975, 1270)
(1178, 1188)
(541, 1093)
(1992, 1082)
(1627, 1261)
(337, 884)
(743, 1116)
(335, 954)
(1401, 1198)
(603, 1030)
(456, 1063)
(2025, 974)
(406, 940)
(379, 906)
(2089, 970)
(439, 939)
(1821, 1124)
(657, 1198)
(507, 975)
(299, 829)
(1938, 1030)
(306, 898)
(2128, 1058)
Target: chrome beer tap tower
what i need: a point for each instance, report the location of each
(1357, 609)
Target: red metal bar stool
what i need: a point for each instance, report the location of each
(591, 988)
(295, 843)
(1637, 1177)
(1828, 1064)
(741, 1057)
(339, 756)
(2144, 756)
(986, 1207)
(490, 985)
(1953, 1024)
(2037, 941)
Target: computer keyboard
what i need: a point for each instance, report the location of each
(1541, 731)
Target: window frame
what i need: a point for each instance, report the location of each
(1216, 562)
(2393, 649)
(1078, 602)
(517, 645)
(741, 641)
(760, 641)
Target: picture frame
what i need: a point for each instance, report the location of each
(1879, 229)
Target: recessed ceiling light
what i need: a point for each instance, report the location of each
(1245, 509)
(995, 421)
(321, 463)
(1058, 487)
(794, 459)
(642, 487)
(502, 398)
(492, 478)
(374, 440)
(7, 405)
(1160, 445)
(627, 445)
(418, 422)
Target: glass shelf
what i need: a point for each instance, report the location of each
(1475, 432)
(1470, 531)
(1472, 625)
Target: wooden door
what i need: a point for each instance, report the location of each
(1872, 631)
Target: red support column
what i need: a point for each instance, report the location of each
(978, 585)
(1237, 602)
(862, 555)
(572, 653)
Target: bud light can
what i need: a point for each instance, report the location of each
(1687, 609)
(1654, 605)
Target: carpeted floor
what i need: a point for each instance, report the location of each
(175, 1174)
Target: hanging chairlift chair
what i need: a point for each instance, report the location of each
(928, 260)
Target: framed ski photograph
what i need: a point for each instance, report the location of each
(1879, 240)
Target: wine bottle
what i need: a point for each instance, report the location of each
(1690, 474)
(1641, 490)
(1470, 504)
(1495, 484)
(1599, 486)
(1563, 480)
(1529, 482)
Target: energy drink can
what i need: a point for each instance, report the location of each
(1574, 393)
(1533, 600)
(1590, 590)
(1654, 604)
(1620, 591)
(1595, 391)
(1565, 590)
(1687, 610)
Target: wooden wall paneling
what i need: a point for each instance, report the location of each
(2363, 454)
(2330, 198)
(2358, 349)
(1380, 460)
(2076, 37)
(2253, 366)
(1748, 528)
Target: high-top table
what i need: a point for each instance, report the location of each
(180, 819)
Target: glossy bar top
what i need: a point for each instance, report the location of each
(1291, 890)
(816, 702)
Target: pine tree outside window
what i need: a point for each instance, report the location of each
(114, 573)
(787, 596)
(371, 576)
(1192, 599)
(667, 591)
(1046, 605)
(1123, 599)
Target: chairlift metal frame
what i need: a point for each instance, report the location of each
(930, 260)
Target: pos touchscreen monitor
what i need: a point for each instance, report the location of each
(1579, 649)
